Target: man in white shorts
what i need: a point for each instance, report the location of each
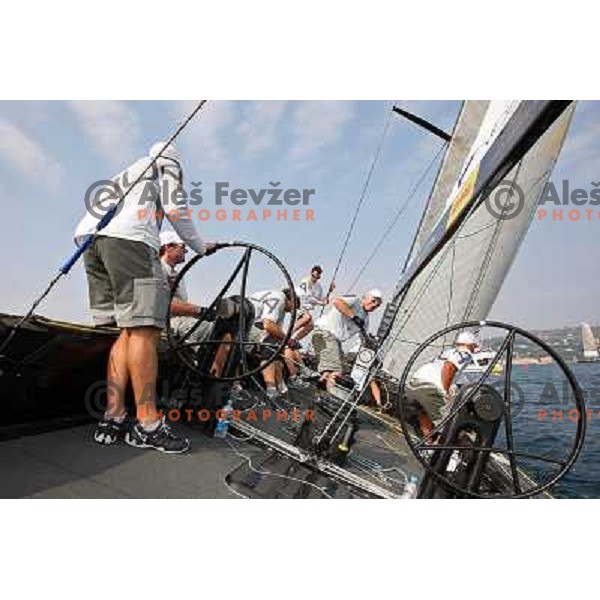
(127, 287)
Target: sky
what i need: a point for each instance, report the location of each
(50, 152)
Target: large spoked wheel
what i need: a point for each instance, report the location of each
(189, 346)
(424, 446)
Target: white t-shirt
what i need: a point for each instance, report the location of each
(171, 274)
(136, 218)
(269, 305)
(430, 374)
(339, 325)
(308, 292)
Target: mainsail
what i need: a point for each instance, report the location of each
(460, 267)
(466, 129)
(590, 347)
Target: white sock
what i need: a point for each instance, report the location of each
(118, 420)
(151, 427)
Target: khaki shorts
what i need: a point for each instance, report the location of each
(424, 397)
(264, 345)
(181, 325)
(126, 284)
(328, 351)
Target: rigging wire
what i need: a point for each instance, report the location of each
(360, 202)
(396, 218)
(487, 258)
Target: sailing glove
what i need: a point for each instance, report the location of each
(358, 321)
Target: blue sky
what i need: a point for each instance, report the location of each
(51, 151)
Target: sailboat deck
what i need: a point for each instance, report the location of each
(68, 464)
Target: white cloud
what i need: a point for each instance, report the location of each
(205, 137)
(258, 131)
(316, 125)
(112, 127)
(28, 157)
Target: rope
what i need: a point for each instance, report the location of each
(360, 202)
(271, 474)
(395, 220)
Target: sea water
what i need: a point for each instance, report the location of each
(545, 423)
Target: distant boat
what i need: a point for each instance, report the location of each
(481, 361)
(590, 345)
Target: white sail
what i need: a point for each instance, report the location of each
(463, 280)
(465, 131)
(590, 346)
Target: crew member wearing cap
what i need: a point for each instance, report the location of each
(345, 318)
(431, 388)
(267, 332)
(310, 294)
(127, 287)
(184, 314)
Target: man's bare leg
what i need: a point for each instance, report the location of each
(270, 375)
(221, 356)
(117, 377)
(291, 360)
(302, 322)
(304, 325)
(376, 392)
(142, 362)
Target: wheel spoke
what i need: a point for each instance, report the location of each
(492, 450)
(507, 414)
(241, 324)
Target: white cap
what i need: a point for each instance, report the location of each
(466, 338)
(169, 152)
(169, 237)
(375, 294)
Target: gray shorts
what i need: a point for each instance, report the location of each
(181, 325)
(126, 284)
(328, 351)
(424, 397)
(264, 346)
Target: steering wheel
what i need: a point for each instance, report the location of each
(424, 448)
(187, 350)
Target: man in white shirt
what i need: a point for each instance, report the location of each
(345, 318)
(270, 308)
(310, 293)
(127, 286)
(184, 314)
(430, 388)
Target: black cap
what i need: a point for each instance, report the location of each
(317, 268)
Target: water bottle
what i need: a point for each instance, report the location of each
(453, 462)
(410, 490)
(223, 424)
